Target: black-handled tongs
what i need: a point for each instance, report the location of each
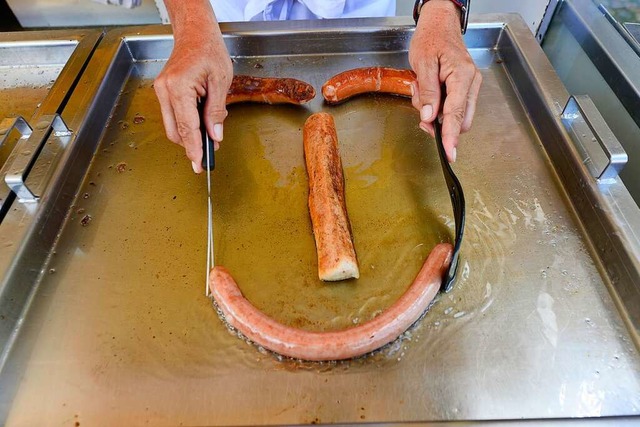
(208, 155)
(208, 164)
(457, 202)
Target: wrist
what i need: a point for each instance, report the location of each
(455, 9)
(191, 20)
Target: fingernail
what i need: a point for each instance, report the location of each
(424, 127)
(454, 153)
(426, 112)
(413, 90)
(217, 132)
(194, 166)
(216, 145)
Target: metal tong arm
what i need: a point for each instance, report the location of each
(208, 163)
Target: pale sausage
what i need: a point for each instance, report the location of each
(345, 344)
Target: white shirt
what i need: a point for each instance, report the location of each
(275, 10)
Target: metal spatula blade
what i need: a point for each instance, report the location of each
(457, 202)
(208, 164)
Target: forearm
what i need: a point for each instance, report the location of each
(192, 19)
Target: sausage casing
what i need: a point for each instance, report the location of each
(345, 344)
(354, 82)
(269, 90)
(327, 207)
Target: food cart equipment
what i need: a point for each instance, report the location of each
(542, 322)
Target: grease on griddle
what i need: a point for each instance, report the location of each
(86, 220)
(121, 167)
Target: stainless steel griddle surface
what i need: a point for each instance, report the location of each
(121, 333)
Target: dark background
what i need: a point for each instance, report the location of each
(8, 21)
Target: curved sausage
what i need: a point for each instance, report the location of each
(338, 345)
(269, 90)
(327, 207)
(371, 79)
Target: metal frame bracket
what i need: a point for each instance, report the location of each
(586, 125)
(27, 151)
(8, 124)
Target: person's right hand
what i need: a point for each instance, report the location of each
(198, 66)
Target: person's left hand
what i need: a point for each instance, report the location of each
(438, 55)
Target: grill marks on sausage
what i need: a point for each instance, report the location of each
(269, 90)
(354, 82)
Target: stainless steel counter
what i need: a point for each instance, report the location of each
(38, 71)
(119, 331)
(591, 57)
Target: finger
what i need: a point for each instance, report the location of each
(415, 98)
(215, 111)
(472, 99)
(428, 89)
(454, 110)
(428, 128)
(188, 126)
(168, 116)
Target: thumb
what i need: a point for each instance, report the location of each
(428, 94)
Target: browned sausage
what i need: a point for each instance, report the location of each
(269, 90)
(371, 79)
(327, 208)
(345, 344)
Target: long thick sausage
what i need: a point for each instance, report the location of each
(331, 227)
(371, 79)
(345, 344)
(269, 90)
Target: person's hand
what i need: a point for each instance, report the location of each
(438, 55)
(198, 66)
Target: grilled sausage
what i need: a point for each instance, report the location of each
(269, 90)
(327, 208)
(344, 344)
(363, 80)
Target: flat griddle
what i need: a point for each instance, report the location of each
(120, 333)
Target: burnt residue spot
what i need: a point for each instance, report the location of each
(258, 65)
(80, 211)
(121, 167)
(52, 271)
(86, 220)
(91, 183)
(174, 197)
(86, 195)
(138, 119)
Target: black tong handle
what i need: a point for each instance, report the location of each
(457, 201)
(206, 140)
